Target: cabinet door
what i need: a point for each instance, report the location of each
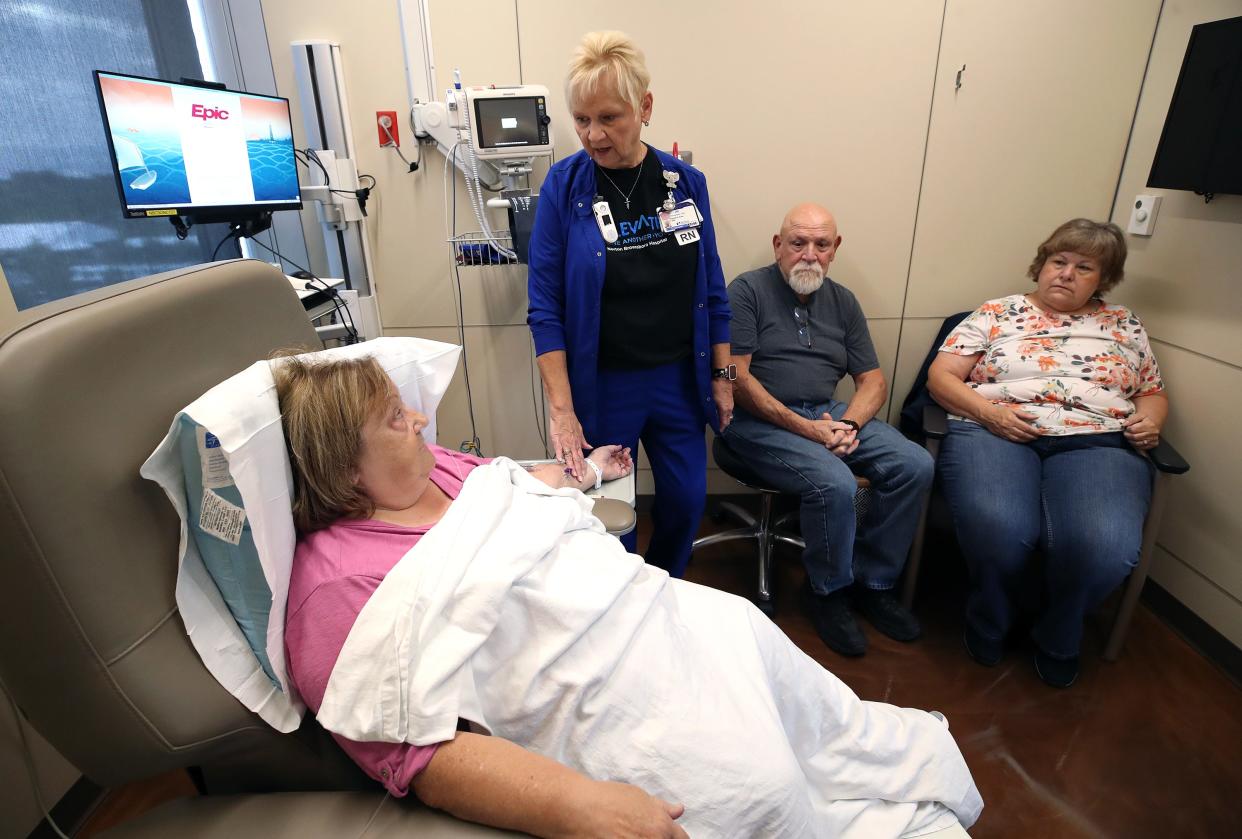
(1034, 135)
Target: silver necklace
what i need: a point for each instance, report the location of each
(637, 178)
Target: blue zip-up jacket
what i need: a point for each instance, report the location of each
(566, 279)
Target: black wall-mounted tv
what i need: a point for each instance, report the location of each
(204, 153)
(1201, 145)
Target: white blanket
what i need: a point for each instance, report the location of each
(520, 614)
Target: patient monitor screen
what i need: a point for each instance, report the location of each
(181, 148)
(510, 122)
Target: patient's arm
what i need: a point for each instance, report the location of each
(614, 462)
(495, 782)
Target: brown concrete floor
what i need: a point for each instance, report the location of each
(1149, 746)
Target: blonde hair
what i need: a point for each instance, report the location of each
(1100, 240)
(607, 58)
(323, 408)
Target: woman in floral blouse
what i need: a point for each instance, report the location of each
(1052, 395)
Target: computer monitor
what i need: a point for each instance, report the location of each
(199, 152)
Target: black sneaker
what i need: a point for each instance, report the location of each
(887, 614)
(835, 623)
(983, 650)
(1057, 672)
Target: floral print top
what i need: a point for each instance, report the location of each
(1077, 373)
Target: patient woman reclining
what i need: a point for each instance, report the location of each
(602, 697)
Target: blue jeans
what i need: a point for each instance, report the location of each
(840, 550)
(660, 407)
(1081, 499)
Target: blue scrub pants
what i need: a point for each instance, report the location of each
(660, 407)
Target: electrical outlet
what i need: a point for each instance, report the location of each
(387, 120)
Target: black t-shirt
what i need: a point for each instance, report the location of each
(646, 314)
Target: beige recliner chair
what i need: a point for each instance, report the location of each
(92, 647)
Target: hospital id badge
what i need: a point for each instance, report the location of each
(682, 217)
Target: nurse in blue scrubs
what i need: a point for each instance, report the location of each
(627, 297)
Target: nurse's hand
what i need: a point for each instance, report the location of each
(567, 441)
(722, 395)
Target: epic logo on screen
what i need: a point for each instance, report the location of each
(204, 113)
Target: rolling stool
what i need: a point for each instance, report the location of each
(762, 529)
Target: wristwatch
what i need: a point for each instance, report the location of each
(850, 423)
(727, 373)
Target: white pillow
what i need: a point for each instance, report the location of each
(236, 511)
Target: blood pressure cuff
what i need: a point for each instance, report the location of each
(521, 222)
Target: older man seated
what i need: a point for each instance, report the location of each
(795, 334)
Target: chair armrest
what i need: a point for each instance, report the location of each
(1168, 459)
(935, 422)
(617, 517)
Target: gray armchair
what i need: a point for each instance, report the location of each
(93, 649)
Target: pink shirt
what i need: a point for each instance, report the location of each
(335, 572)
